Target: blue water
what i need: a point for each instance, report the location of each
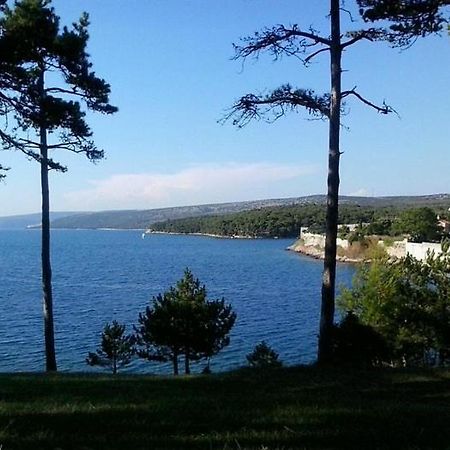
(103, 275)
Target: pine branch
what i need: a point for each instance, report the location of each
(73, 91)
(279, 40)
(384, 109)
(9, 142)
(280, 100)
(372, 34)
(3, 169)
(313, 55)
(51, 164)
(410, 19)
(28, 143)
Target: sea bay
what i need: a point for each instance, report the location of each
(101, 275)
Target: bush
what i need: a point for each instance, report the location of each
(408, 302)
(358, 344)
(263, 356)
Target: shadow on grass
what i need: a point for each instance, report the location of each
(289, 408)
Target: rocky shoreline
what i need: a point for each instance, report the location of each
(298, 247)
(319, 253)
(313, 251)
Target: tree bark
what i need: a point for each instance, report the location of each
(175, 363)
(49, 336)
(329, 269)
(187, 368)
(114, 363)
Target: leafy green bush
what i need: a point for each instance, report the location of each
(408, 302)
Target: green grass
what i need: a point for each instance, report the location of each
(298, 408)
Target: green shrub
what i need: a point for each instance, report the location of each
(408, 302)
(263, 356)
(357, 344)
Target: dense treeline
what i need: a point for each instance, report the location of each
(266, 222)
(142, 219)
(284, 221)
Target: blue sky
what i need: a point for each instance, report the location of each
(168, 63)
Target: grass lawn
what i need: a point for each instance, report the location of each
(298, 408)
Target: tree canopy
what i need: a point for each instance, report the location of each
(32, 44)
(409, 19)
(183, 322)
(420, 224)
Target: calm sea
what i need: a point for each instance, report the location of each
(103, 275)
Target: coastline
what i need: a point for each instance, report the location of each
(79, 229)
(211, 235)
(319, 253)
(310, 251)
(307, 250)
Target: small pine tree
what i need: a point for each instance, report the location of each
(263, 356)
(116, 350)
(182, 322)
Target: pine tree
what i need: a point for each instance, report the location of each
(33, 46)
(307, 45)
(263, 357)
(158, 332)
(182, 322)
(116, 349)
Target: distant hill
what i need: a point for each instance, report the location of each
(142, 219)
(28, 220)
(287, 220)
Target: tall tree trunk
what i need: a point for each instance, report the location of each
(187, 369)
(329, 269)
(50, 358)
(114, 368)
(175, 363)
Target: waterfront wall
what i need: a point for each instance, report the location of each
(318, 240)
(398, 249)
(420, 250)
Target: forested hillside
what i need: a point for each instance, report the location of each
(284, 221)
(142, 219)
(362, 207)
